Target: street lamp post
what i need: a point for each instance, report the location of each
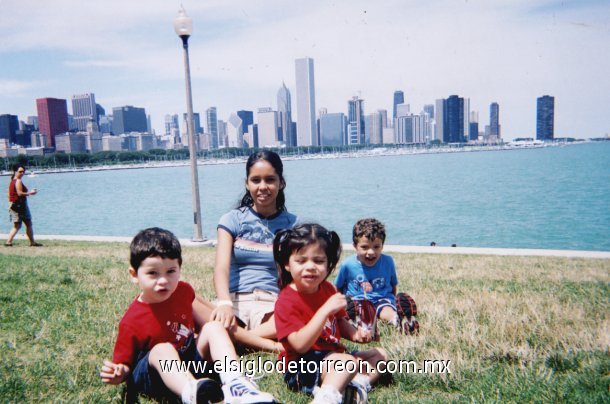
(183, 25)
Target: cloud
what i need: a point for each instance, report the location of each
(17, 88)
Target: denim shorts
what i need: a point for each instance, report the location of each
(146, 380)
(305, 382)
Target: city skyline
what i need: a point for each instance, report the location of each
(509, 52)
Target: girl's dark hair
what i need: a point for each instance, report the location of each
(276, 162)
(288, 241)
(154, 242)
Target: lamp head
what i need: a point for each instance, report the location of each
(183, 24)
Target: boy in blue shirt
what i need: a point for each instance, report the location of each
(371, 275)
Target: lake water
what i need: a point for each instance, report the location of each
(554, 197)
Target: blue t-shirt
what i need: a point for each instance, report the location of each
(252, 264)
(382, 276)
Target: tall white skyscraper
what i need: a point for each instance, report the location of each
(84, 110)
(306, 103)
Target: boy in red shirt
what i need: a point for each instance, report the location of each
(158, 330)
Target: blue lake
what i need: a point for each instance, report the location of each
(554, 197)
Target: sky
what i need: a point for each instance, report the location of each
(127, 53)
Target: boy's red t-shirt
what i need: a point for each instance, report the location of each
(145, 325)
(293, 310)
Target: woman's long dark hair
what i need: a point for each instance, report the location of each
(16, 168)
(276, 162)
(288, 241)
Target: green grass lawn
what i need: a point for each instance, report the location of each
(514, 328)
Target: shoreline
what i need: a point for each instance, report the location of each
(375, 152)
(403, 249)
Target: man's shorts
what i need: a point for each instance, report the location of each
(253, 308)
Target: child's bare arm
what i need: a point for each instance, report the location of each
(202, 311)
(303, 339)
(114, 373)
(245, 337)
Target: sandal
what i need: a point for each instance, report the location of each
(35, 245)
(8, 244)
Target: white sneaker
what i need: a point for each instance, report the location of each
(355, 393)
(242, 390)
(326, 395)
(205, 391)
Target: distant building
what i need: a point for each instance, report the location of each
(376, 128)
(171, 123)
(402, 110)
(33, 120)
(494, 120)
(197, 129)
(235, 131)
(111, 143)
(211, 126)
(399, 98)
(284, 109)
(332, 129)
(440, 119)
(355, 119)
(454, 131)
(9, 125)
(84, 109)
(71, 143)
(267, 127)
(429, 109)
(129, 119)
(473, 130)
(545, 118)
(306, 103)
(105, 123)
(52, 118)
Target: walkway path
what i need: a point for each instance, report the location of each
(387, 248)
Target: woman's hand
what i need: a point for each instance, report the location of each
(114, 373)
(225, 315)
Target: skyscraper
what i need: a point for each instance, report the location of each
(84, 110)
(545, 118)
(455, 120)
(306, 103)
(172, 126)
(332, 129)
(284, 109)
(494, 120)
(268, 127)
(9, 125)
(355, 120)
(247, 120)
(399, 98)
(52, 117)
(440, 119)
(429, 109)
(473, 130)
(211, 121)
(129, 119)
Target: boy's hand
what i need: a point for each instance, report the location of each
(335, 303)
(366, 286)
(114, 373)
